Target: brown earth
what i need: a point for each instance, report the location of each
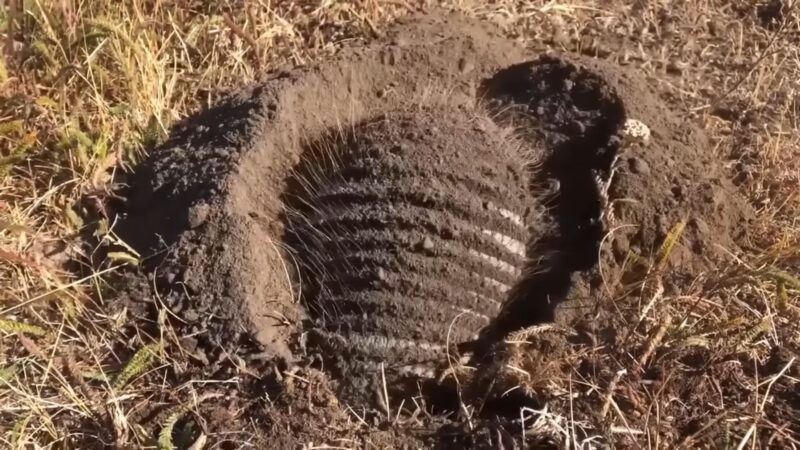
(446, 120)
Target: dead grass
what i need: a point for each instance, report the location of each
(85, 87)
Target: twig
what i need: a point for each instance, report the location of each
(653, 342)
(59, 289)
(772, 381)
(612, 386)
(746, 437)
(238, 31)
(386, 394)
(199, 443)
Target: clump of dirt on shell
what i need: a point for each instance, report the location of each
(207, 210)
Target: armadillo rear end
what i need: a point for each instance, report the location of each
(410, 231)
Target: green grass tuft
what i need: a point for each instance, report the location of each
(142, 360)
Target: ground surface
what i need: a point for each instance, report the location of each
(678, 325)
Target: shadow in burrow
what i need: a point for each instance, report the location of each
(578, 117)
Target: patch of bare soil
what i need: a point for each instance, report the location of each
(424, 240)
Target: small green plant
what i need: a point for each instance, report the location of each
(19, 327)
(142, 360)
(165, 436)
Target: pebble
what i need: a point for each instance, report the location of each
(639, 166)
(620, 247)
(700, 225)
(662, 225)
(170, 277)
(201, 358)
(189, 343)
(198, 214)
(190, 315)
(636, 130)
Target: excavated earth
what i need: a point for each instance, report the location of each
(352, 231)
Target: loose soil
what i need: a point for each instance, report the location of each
(316, 229)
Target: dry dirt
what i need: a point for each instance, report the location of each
(346, 232)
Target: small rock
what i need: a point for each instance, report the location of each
(427, 244)
(713, 194)
(170, 277)
(700, 225)
(172, 300)
(189, 343)
(636, 130)
(190, 315)
(198, 214)
(201, 357)
(220, 357)
(639, 166)
(662, 225)
(620, 247)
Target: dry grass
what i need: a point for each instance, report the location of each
(85, 87)
(88, 86)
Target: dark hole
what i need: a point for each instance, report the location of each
(578, 116)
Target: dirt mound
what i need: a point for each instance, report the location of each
(616, 189)
(346, 216)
